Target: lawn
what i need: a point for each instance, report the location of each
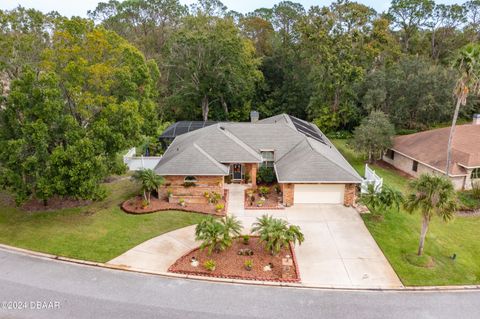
(97, 232)
(398, 234)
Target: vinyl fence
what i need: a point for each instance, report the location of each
(371, 178)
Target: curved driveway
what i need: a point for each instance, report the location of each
(89, 292)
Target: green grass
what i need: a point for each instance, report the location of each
(398, 234)
(98, 232)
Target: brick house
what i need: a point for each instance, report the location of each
(426, 152)
(309, 169)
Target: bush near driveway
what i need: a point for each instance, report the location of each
(97, 232)
(397, 235)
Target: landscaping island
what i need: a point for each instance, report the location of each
(230, 263)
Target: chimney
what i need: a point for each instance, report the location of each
(254, 116)
(476, 119)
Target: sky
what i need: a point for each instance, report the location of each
(80, 7)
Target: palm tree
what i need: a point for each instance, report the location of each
(431, 195)
(276, 233)
(150, 182)
(217, 235)
(468, 64)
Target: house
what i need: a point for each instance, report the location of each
(309, 169)
(426, 152)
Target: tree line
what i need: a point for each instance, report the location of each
(75, 92)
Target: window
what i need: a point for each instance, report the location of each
(268, 158)
(415, 166)
(391, 154)
(475, 173)
(190, 179)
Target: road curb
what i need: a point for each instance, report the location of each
(36, 254)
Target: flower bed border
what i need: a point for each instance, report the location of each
(127, 210)
(225, 276)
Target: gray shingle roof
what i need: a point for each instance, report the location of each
(298, 158)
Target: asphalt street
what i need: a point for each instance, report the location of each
(45, 288)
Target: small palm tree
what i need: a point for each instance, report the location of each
(216, 235)
(431, 195)
(149, 181)
(468, 64)
(380, 200)
(276, 233)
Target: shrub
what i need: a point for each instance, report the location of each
(379, 201)
(276, 233)
(266, 175)
(248, 264)
(181, 202)
(476, 189)
(219, 207)
(228, 179)
(278, 189)
(206, 195)
(214, 197)
(215, 234)
(246, 239)
(263, 191)
(189, 184)
(169, 192)
(210, 265)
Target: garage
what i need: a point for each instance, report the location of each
(318, 193)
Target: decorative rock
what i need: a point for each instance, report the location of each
(194, 262)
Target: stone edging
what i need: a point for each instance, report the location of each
(234, 281)
(180, 208)
(207, 274)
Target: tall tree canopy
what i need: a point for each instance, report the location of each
(63, 124)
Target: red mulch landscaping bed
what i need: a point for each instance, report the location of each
(231, 265)
(272, 200)
(134, 206)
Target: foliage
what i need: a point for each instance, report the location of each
(150, 182)
(276, 233)
(217, 235)
(67, 116)
(246, 239)
(210, 265)
(263, 190)
(266, 175)
(380, 201)
(467, 200)
(219, 207)
(248, 264)
(431, 195)
(374, 135)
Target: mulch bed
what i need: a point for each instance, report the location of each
(272, 200)
(54, 203)
(231, 265)
(134, 206)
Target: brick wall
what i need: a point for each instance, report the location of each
(203, 184)
(350, 194)
(288, 193)
(251, 169)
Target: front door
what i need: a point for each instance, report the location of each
(237, 171)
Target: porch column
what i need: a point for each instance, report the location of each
(253, 174)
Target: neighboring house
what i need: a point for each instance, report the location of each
(426, 152)
(308, 167)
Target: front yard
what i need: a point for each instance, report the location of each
(97, 232)
(398, 234)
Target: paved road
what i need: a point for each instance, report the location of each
(88, 292)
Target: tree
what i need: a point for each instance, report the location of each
(410, 16)
(431, 195)
(64, 124)
(276, 233)
(379, 200)
(149, 181)
(374, 135)
(216, 235)
(468, 65)
(211, 69)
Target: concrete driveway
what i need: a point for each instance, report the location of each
(338, 250)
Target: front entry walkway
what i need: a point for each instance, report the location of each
(338, 250)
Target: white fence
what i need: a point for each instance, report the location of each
(137, 163)
(371, 178)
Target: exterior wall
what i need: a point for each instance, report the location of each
(203, 184)
(288, 193)
(350, 194)
(404, 163)
(251, 170)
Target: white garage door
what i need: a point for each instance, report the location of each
(319, 193)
